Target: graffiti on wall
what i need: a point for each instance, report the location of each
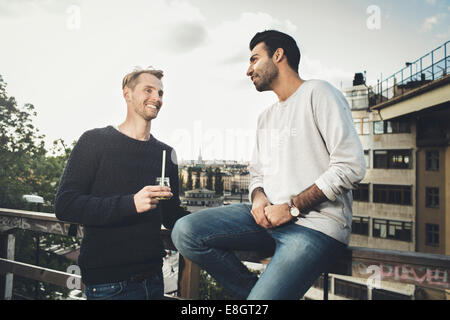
(401, 273)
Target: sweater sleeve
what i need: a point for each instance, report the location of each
(334, 121)
(171, 209)
(74, 201)
(255, 169)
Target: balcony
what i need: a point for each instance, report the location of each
(415, 75)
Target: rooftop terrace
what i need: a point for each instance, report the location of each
(428, 272)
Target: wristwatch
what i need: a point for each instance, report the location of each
(293, 209)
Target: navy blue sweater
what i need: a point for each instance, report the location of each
(104, 171)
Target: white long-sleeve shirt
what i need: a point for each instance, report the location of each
(310, 138)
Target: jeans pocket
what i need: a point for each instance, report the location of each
(103, 291)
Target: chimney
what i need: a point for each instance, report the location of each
(358, 79)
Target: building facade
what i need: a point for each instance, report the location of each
(384, 205)
(202, 197)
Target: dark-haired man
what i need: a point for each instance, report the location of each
(306, 159)
(109, 186)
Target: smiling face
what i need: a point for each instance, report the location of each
(146, 97)
(262, 69)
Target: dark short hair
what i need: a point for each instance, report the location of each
(273, 40)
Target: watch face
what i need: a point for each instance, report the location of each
(295, 212)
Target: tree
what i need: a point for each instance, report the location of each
(20, 145)
(48, 170)
(189, 179)
(209, 181)
(26, 167)
(219, 182)
(210, 289)
(181, 185)
(198, 172)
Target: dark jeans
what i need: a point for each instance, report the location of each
(208, 237)
(151, 288)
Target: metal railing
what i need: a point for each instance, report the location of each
(425, 271)
(432, 66)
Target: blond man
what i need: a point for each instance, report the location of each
(109, 186)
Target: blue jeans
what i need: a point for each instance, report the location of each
(208, 237)
(151, 288)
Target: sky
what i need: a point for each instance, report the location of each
(68, 58)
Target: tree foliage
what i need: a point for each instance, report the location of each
(210, 289)
(209, 181)
(20, 144)
(198, 172)
(27, 167)
(219, 182)
(189, 184)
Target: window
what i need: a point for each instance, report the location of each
(367, 158)
(360, 225)
(378, 127)
(392, 194)
(362, 193)
(350, 290)
(378, 294)
(380, 159)
(399, 159)
(379, 228)
(365, 125)
(361, 125)
(432, 235)
(432, 197)
(389, 229)
(388, 126)
(432, 160)
(357, 124)
(392, 159)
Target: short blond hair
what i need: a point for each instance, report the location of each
(130, 80)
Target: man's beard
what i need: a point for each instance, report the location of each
(266, 77)
(141, 110)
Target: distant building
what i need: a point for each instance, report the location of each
(227, 178)
(426, 110)
(235, 175)
(403, 202)
(384, 206)
(202, 197)
(240, 182)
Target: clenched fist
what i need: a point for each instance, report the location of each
(278, 214)
(259, 203)
(146, 198)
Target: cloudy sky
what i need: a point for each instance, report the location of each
(68, 58)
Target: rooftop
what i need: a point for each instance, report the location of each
(430, 67)
(429, 273)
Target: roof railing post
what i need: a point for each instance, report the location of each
(7, 246)
(188, 279)
(445, 58)
(325, 286)
(432, 65)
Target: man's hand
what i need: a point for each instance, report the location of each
(146, 198)
(259, 202)
(278, 214)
